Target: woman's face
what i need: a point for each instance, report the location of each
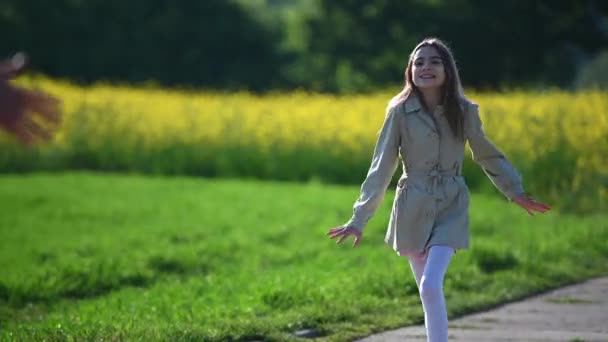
(427, 68)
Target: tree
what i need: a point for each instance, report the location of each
(211, 43)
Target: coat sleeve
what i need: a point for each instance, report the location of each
(383, 165)
(493, 162)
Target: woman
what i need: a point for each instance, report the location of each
(427, 124)
(26, 114)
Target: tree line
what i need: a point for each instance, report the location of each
(320, 45)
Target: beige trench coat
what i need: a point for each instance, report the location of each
(431, 204)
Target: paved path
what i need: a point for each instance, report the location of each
(575, 313)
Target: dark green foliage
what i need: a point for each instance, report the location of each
(211, 43)
(595, 73)
(508, 43)
(324, 45)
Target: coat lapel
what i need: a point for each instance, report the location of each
(412, 105)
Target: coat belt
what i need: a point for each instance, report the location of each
(437, 177)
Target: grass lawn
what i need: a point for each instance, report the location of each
(89, 256)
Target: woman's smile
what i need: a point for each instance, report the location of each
(427, 68)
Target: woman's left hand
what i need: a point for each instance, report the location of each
(530, 204)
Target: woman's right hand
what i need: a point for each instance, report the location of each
(343, 232)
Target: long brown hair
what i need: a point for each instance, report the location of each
(452, 92)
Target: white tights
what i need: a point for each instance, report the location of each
(429, 270)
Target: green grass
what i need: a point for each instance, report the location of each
(88, 256)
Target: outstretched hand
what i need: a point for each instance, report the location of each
(29, 115)
(343, 232)
(530, 204)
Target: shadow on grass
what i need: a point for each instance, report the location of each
(84, 282)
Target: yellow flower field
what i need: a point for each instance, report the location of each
(557, 139)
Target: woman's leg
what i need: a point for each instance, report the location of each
(431, 293)
(417, 262)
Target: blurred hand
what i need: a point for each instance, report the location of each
(530, 204)
(343, 232)
(28, 115)
(11, 67)
(19, 60)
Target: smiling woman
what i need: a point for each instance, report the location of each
(433, 76)
(426, 126)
